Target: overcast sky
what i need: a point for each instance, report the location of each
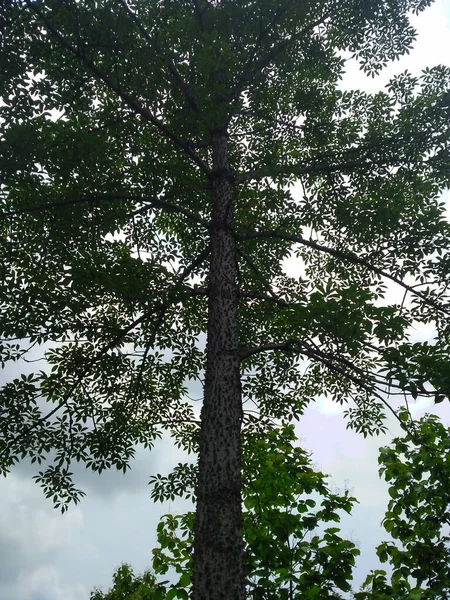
(48, 556)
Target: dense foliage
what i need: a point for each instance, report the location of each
(418, 516)
(128, 586)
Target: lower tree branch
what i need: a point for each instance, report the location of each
(347, 256)
(299, 347)
(170, 298)
(91, 198)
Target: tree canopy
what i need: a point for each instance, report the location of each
(160, 163)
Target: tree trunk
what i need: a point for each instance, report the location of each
(218, 546)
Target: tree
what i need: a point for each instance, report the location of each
(292, 545)
(128, 586)
(418, 516)
(149, 152)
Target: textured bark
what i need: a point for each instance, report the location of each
(218, 547)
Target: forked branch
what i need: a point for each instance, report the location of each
(347, 256)
(114, 86)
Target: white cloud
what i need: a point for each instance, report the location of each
(44, 583)
(49, 556)
(35, 528)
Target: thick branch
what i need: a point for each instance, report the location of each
(91, 198)
(115, 87)
(352, 258)
(282, 347)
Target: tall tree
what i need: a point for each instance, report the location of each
(149, 155)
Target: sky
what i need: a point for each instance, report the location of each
(48, 556)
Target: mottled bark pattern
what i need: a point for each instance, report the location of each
(218, 553)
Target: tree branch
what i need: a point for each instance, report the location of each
(282, 347)
(319, 168)
(267, 285)
(267, 29)
(344, 160)
(191, 100)
(347, 256)
(299, 347)
(198, 13)
(117, 339)
(90, 198)
(257, 66)
(115, 87)
(158, 319)
(269, 298)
